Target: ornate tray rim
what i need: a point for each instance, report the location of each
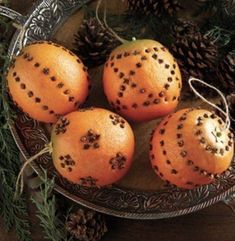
(72, 6)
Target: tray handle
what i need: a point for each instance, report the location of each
(230, 201)
(15, 16)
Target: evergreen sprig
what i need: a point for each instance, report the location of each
(222, 37)
(50, 220)
(218, 24)
(14, 213)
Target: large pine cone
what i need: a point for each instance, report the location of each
(226, 73)
(93, 42)
(156, 7)
(86, 225)
(196, 56)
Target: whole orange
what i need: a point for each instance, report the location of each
(191, 147)
(47, 80)
(92, 147)
(142, 80)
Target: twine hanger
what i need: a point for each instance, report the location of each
(105, 25)
(225, 113)
(20, 178)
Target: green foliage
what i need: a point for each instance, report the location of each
(220, 26)
(50, 220)
(220, 36)
(14, 213)
(218, 22)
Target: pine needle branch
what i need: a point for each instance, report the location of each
(14, 213)
(50, 220)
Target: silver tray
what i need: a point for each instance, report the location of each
(42, 21)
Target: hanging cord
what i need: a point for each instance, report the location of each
(97, 13)
(20, 179)
(226, 113)
(110, 30)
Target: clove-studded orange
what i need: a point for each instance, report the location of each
(142, 80)
(47, 80)
(92, 147)
(191, 148)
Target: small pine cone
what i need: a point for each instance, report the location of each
(86, 225)
(156, 7)
(226, 73)
(184, 28)
(196, 56)
(93, 42)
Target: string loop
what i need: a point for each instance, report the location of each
(105, 25)
(226, 113)
(20, 179)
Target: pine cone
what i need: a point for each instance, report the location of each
(184, 28)
(196, 56)
(226, 73)
(93, 43)
(156, 7)
(86, 225)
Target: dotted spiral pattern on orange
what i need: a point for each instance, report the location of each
(92, 147)
(47, 80)
(142, 80)
(189, 148)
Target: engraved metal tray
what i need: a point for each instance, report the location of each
(140, 195)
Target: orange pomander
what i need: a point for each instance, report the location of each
(92, 147)
(142, 80)
(190, 148)
(46, 81)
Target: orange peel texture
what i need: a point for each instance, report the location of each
(47, 80)
(142, 80)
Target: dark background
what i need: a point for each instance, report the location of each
(216, 223)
